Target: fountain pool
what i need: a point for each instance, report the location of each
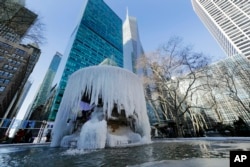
(199, 152)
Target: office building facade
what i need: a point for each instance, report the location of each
(44, 90)
(97, 36)
(17, 63)
(229, 100)
(132, 48)
(229, 23)
(132, 52)
(16, 60)
(15, 20)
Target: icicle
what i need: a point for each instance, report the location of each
(113, 85)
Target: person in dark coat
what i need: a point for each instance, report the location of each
(48, 136)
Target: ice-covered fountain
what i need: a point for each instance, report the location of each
(102, 106)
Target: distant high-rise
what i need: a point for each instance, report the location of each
(44, 90)
(132, 48)
(229, 23)
(97, 36)
(23, 95)
(132, 52)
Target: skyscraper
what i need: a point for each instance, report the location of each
(132, 52)
(16, 60)
(228, 102)
(229, 23)
(45, 88)
(15, 20)
(17, 63)
(132, 48)
(97, 36)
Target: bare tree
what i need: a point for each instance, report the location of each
(235, 82)
(172, 79)
(36, 33)
(213, 101)
(18, 21)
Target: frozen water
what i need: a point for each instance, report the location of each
(123, 136)
(93, 135)
(94, 132)
(113, 85)
(69, 140)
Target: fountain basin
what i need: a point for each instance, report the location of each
(195, 152)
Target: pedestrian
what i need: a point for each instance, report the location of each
(48, 136)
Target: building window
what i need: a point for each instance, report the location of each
(6, 74)
(2, 88)
(4, 81)
(5, 66)
(5, 45)
(10, 67)
(20, 52)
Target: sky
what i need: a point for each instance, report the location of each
(158, 20)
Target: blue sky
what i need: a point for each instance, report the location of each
(158, 20)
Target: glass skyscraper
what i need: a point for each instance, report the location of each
(132, 48)
(132, 52)
(229, 23)
(230, 99)
(46, 86)
(97, 36)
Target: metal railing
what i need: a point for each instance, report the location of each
(24, 131)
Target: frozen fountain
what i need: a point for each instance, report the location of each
(102, 106)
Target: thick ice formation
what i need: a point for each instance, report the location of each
(115, 86)
(94, 132)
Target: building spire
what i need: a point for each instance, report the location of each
(127, 12)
